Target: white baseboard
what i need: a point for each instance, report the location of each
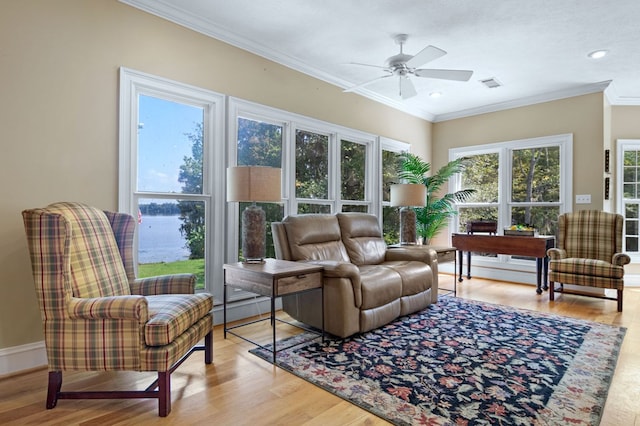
(23, 357)
(34, 355)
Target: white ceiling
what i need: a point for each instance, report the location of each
(536, 49)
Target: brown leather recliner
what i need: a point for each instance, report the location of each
(365, 285)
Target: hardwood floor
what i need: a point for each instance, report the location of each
(241, 389)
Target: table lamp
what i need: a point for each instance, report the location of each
(408, 195)
(254, 184)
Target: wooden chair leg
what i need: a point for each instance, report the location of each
(208, 348)
(164, 393)
(552, 290)
(619, 300)
(55, 384)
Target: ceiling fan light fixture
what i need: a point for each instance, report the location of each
(435, 95)
(598, 54)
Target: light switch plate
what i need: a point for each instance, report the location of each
(583, 199)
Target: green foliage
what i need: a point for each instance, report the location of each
(192, 212)
(312, 165)
(435, 215)
(195, 266)
(535, 179)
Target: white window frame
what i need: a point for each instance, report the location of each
(134, 83)
(621, 146)
(390, 145)
(504, 267)
(292, 122)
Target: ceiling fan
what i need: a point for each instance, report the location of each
(404, 66)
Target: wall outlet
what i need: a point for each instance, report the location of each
(583, 199)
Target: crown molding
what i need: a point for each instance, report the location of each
(165, 10)
(526, 101)
(196, 23)
(614, 97)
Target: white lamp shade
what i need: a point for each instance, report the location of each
(408, 195)
(254, 183)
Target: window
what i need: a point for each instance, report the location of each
(173, 162)
(628, 199)
(169, 136)
(312, 172)
(524, 182)
(260, 144)
(391, 164)
(325, 168)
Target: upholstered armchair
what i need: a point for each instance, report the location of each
(97, 316)
(588, 253)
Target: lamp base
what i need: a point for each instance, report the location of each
(253, 234)
(408, 232)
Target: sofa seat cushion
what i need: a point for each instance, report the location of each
(379, 285)
(171, 315)
(589, 267)
(416, 276)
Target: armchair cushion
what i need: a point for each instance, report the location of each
(588, 267)
(172, 315)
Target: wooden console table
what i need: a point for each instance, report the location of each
(506, 244)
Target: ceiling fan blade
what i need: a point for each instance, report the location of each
(427, 54)
(407, 89)
(458, 75)
(366, 83)
(367, 65)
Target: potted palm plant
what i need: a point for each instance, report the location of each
(435, 215)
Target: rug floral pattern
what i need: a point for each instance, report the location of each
(469, 363)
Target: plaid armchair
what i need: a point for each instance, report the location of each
(589, 252)
(97, 316)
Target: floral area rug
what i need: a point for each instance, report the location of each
(461, 362)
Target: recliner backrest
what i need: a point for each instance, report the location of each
(362, 237)
(590, 234)
(314, 237)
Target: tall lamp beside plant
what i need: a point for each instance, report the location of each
(437, 210)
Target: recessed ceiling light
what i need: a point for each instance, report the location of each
(435, 94)
(597, 54)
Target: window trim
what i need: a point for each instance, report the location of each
(292, 122)
(134, 83)
(504, 204)
(621, 146)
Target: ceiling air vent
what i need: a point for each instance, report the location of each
(491, 83)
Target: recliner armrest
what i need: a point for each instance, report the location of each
(404, 253)
(164, 284)
(339, 269)
(113, 307)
